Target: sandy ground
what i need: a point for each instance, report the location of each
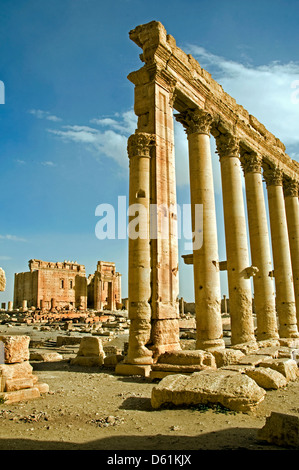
(94, 409)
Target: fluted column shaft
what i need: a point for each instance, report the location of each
(285, 298)
(292, 212)
(205, 252)
(240, 296)
(139, 249)
(264, 289)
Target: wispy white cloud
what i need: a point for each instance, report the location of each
(48, 163)
(110, 140)
(13, 238)
(266, 91)
(40, 114)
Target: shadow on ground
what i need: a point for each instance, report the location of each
(218, 440)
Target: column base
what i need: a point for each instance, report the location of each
(133, 369)
(289, 342)
(210, 345)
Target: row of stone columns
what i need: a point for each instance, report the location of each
(284, 221)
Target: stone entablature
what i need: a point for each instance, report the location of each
(35, 264)
(193, 87)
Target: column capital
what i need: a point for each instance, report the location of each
(227, 145)
(290, 187)
(273, 176)
(195, 121)
(140, 143)
(251, 162)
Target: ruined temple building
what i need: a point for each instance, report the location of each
(57, 285)
(104, 287)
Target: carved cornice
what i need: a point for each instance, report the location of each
(227, 145)
(195, 121)
(140, 144)
(273, 176)
(251, 162)
(290, 188)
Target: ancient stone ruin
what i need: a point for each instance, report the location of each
(2, 280)
(172, 80)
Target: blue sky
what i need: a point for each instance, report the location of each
(68, 111)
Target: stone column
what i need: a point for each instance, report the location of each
(240, 296)
(205, 245)
(292, 212)
(153, 105)
(139, 145)
(285, 297)
(264, 289)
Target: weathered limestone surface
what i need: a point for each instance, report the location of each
(230, 389)
(267, 378)
(17, 381)
(90, 353)
(16, 348)
(2, 280)
(281, 429)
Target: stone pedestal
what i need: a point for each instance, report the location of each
(264, 288)
(240, 296)
(17, 382)
(285, 298)
(205, 245)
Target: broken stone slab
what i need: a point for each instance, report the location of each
(253, 359)
(45, 356)
(67, 340)
(226, 356)
(178, 368)
(287, 367)
(267, 378)
(233, 390)
(242, 368)
(188, 357)
(16, 348)
(280, 429)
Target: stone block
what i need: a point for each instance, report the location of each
(67, 340)
(287, 367)
(11, 385)
(16, 371)
(42, 387)
(87, 361)
(226, 356)
(113, 360)
(280, 429)
(267, 378)
(232, 390)
(16, 348)
(20, 395)
(132, 369)
(253, 359)
(91, 346)
(188, 357)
